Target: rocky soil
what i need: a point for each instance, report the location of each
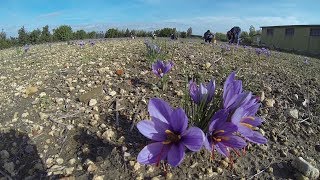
(69, 112)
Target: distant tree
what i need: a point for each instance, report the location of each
(23, 36)
(165, 32)
(183, 34)
(221, 37)
(35, 36)
(80, 34)
(246, 38)
(189, 32)
(133, 32)
(112, 33)
(3, 35)
(127, 33)
(45, 34)
(252, 31)
(92, 35)
(100, 34)
(62, 33)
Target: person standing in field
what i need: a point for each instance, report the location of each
(208, 36)
(234, 35)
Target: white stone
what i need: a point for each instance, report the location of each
(42, 94)
(305, 168)
(93, 102)
(112, 93)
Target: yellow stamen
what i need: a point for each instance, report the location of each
(247, 125)
(171, 137)
(159, 71)
(220, 131)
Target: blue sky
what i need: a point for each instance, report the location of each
(216, 15)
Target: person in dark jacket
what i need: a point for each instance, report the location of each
(234, 35)
(208, 36)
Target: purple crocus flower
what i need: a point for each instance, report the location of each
(258, 51)
(221, 135)
(244, 119)
(234, 97)
(231, 90)
(160, 69)
(203, 92)
(168, 128)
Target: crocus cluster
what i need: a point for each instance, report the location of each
(92, 43)
(168, 128)
(264, 51)
(230, 126)
(81, 44)
(160, 68)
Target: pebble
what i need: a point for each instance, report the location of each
(108, 134)
(137, 166)
(24, 115)
(93, 102)
(317, 147)
(112, 93)
(59, 161)
(49, 162)
(4, 154)
(68, 171)
(43, 116)
(42, 94)
(98, 177)
(72, 161)
(294, 113)
(9, 167)
(305, 168)
(270, 102)
(92, 168)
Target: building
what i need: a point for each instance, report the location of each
(299, 38)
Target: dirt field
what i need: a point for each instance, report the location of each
(66, 112)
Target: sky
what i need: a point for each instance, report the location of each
(201, 15)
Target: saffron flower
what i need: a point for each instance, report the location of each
(231, 90)
(234, 97)
(168, 128)
(159, 68)
(202, 93)
(221, 135)
(244, 118)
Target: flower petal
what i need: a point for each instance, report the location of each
(176, 154)
(208, 143)
(159, 109)
(211, 87)
(152, 130)
(153, 153)
(193, 138)
(254, 121)
(222, 149)
(178, 120)
(237, 116)
(194, 92)
(257, 138)
(235, 142)
(218, 119)
(168, 66)
(245, 131)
